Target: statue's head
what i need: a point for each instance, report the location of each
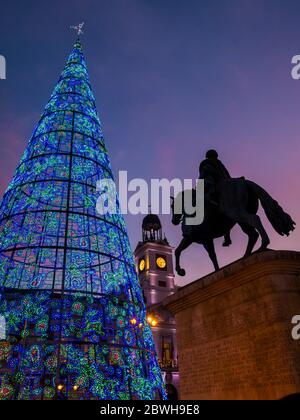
(212, 154)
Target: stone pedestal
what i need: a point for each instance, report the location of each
(234, 330)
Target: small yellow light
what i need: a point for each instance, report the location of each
(75, 387)
(142, 265)
(154, 323)
(60, 387)
(140, 325)
(133, 321)
(149, 319)
(161, 262)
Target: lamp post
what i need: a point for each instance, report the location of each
(152, 320)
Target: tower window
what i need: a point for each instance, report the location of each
(162, 283)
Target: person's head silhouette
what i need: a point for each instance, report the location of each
(212, 154)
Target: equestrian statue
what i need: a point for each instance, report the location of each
(228, 201)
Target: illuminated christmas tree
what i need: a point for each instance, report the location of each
(75, 316)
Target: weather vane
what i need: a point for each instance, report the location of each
(78, 28)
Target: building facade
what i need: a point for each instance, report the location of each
(154, 262)
(234, 330)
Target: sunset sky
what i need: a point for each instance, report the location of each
(172, 78)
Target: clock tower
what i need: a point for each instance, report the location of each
(154, 261)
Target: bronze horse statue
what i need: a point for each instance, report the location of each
(238, 203)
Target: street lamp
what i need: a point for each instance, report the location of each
(152, 320)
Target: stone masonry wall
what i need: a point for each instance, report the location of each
(234, 330)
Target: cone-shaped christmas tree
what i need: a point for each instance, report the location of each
(75, 317)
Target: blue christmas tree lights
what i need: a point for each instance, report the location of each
(75, 316)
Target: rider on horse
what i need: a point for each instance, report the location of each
(228, 201)
(213, 171)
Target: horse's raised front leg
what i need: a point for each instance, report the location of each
(210, 248)
(184, 244)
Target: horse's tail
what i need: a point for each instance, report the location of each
(279, 219)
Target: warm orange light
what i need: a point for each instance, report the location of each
(60, 387)
(75, 387)
(142, 265)
(140, 325)
(133, 321)
(149, 319)
(154, 323)
(161, 262)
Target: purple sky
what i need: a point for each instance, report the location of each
(171, 79)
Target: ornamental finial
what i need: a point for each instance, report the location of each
(78, 28)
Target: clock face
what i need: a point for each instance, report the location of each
(161, 262)
(142, 265)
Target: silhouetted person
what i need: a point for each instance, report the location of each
(214, 172)
(172, 393)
